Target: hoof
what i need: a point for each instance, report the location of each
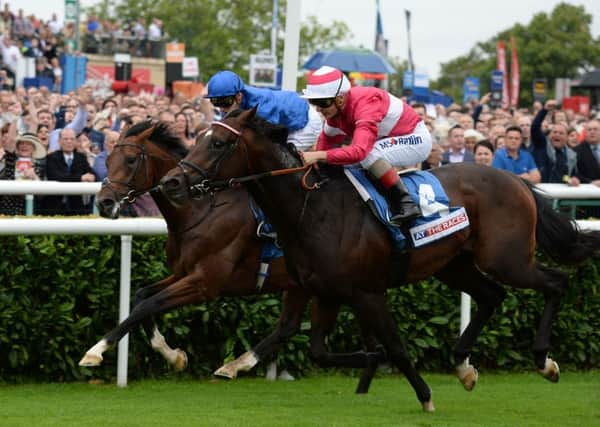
(90, 360)
(468, 375)
(225, 372)
(428, 406)
(181, 361)
(551, 371)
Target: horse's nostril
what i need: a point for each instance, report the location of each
(172, 183)
(106, 203)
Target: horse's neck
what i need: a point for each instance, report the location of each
(173, 216)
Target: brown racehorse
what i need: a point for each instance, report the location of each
(336, 248)
(212, 250)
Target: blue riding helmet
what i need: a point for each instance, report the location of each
(224, 83)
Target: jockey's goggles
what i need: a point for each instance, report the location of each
(322, 102)
(223, 102)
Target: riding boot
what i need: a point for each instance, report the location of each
(402, 205)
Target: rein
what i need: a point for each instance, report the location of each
(207, 185)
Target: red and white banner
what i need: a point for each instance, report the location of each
(501, 65)
(515, 78)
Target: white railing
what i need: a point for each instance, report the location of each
(30, 188)
(152, 226)
(79, 226)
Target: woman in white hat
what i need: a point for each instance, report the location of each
(26, 162)
(385, 132)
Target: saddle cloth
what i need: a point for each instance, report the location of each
(439, 219)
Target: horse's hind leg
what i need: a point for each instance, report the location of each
(373, 309)
(293, 306)
(552, 283)
(555, 284)
(461, 273)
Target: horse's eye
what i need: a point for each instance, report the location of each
(218, 144)
(131, 160)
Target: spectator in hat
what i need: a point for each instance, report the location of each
(26, 162)
(472, 137)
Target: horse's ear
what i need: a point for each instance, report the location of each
(248, 115)
(146, 134)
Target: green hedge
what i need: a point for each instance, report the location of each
(59, 295)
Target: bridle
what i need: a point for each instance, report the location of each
(132, 194)
(210, 186)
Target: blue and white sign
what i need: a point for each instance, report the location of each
(470, 89)
(497, 80)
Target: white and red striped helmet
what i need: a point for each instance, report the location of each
(326, 82)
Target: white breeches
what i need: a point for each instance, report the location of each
(401, 151)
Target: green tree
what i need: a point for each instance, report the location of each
(224, 33)
(559, 44)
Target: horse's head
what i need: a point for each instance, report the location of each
(137, 162)
(221, 153)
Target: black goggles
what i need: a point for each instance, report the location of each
(322, 102)
(223, 102)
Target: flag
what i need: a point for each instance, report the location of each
(381, 44)
(515, 78)
(501, 65)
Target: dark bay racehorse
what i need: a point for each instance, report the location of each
(212, 250)
(336, 248)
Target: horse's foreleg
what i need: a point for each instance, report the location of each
(182, 292)
(323, 317)
(175, 357)
(294, 304)
(372, 309)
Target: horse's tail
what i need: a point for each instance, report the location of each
(559, 237)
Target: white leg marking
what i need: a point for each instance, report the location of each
(467, 374)
(160, 345)
(93, 357)
(245, 362)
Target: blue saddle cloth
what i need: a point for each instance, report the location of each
(427, 192)
(265, 232)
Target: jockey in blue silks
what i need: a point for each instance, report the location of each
(227, 91)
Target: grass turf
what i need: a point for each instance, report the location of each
(498, 400)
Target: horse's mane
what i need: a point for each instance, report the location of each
(161, 136)
(275, 133)
(271, 131)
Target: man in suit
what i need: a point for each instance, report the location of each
(588, 154)
(67, 165)
(457, 151)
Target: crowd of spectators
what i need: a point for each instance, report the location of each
(542, 144)
(49, 136)
(42, 131)
(27, 36)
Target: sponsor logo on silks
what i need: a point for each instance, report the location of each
(442, 227)
(398, 140)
